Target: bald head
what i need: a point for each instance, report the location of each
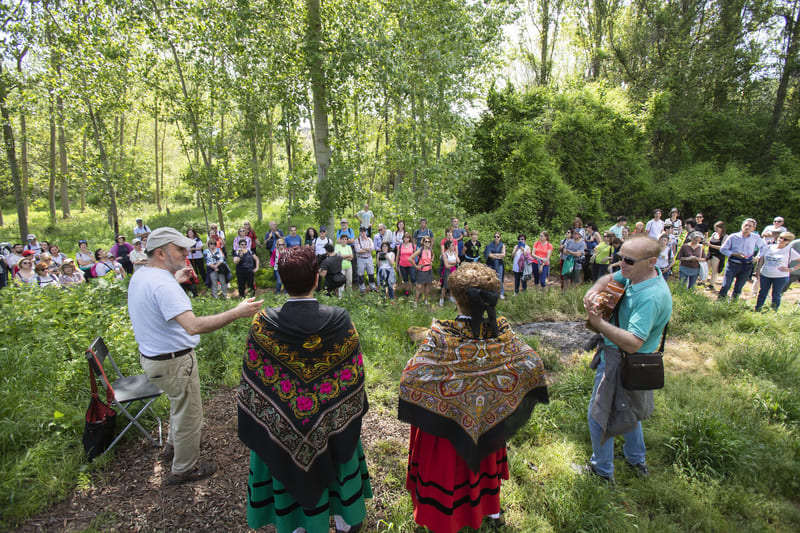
(642, 246)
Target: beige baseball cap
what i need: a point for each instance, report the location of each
(164, 236)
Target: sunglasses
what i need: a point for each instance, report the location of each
(783, 239)
(497, 236)
(630, 261)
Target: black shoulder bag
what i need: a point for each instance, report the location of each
(642, 371)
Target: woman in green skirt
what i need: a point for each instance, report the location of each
(300, 403)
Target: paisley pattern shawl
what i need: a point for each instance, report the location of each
(476, 392)
(302, 395)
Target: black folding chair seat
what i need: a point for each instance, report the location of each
(125, 391)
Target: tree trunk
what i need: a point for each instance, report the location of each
(314, 57)
(271, 160)
(11, 156)
(23, 151)
(155, 152)
(545, 25)
(83, 175)
(99, 128)
(136, 132)
(161, 179)
(62, 154)
(790, 68)
(51, 190)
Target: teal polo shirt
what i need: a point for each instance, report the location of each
(644, 310)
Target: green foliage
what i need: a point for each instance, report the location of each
(548, 156)
(705, 445)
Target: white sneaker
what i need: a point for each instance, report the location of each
(441, 302)
(451, 299)
(502, 296)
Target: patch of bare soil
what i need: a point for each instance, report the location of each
(129, 494)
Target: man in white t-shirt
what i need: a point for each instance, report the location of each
(365, 218)
(167, 331)
(771, 232)
(141, 230)
(655, 225)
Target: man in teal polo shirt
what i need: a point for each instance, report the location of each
(642, 314)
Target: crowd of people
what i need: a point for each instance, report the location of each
(470, 386)
(396, 260)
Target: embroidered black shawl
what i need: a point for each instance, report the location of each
(302, 397)
(475, 392)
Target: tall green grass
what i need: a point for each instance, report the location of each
(723, 443)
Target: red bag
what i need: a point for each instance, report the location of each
(101, 420)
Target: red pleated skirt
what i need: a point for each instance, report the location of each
(447, 495)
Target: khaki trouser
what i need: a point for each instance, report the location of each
(180, 381)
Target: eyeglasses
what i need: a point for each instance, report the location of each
(24, 262)
(783, 239)
(630, 261)
(497, 236)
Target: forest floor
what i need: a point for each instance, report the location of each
(130, 494)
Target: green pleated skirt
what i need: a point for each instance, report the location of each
(268, 501)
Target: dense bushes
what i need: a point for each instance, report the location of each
(548, 155)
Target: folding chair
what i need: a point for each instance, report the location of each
(125, 391)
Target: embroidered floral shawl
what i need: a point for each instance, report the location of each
(302, 396)
(475, 392)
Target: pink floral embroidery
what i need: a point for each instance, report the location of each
(286, 386)
(325, 388)
(346, 374)
(252, 353)
(304, 403)
(269, 371)
(360, 360)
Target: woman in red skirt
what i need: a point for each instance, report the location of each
(471, 385)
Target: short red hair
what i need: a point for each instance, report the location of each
(298, 269)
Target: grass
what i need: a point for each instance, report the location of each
(723, 444)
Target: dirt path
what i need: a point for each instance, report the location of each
(128, 494)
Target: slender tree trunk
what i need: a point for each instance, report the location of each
(136, 132)
(161, 180)
(314, 58)
(62, 153)
(51, 190)
(83, 175)
(791, 65)
(11, 156)
(544, 70)
(98, 128)
(155, 152)
(271, 160)
(23, 151)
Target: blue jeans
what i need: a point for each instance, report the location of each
(407, 273)
(278, 284)
(540, 276)
(500, 268)
(603, 456)
(777, 285)
(735, 270)
(688, 276)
